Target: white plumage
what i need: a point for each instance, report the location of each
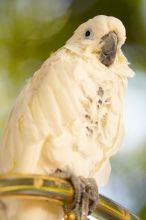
(68, 116)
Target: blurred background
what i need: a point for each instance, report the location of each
(30, 30)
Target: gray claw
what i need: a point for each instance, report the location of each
(85, 197)
(91, 192)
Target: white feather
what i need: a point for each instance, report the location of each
(60, 121)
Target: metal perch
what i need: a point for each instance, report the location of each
(57, 190)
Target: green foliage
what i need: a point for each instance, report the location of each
(142, 214)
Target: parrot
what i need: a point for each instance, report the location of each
(69, 115)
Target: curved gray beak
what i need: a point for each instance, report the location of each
(109, 48)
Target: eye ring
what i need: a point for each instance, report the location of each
(88, 34)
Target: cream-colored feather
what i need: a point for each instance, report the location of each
(68, 116)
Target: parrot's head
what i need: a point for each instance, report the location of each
(101, 36)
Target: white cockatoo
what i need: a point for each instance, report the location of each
(69, 115)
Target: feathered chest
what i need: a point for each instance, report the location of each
(72, 106)
(82, 96)
(100, 93)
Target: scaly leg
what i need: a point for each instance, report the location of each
(85, 198)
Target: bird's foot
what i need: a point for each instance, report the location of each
(85, 197)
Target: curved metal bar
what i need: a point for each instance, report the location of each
(57, 190)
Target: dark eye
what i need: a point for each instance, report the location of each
(88, 34)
